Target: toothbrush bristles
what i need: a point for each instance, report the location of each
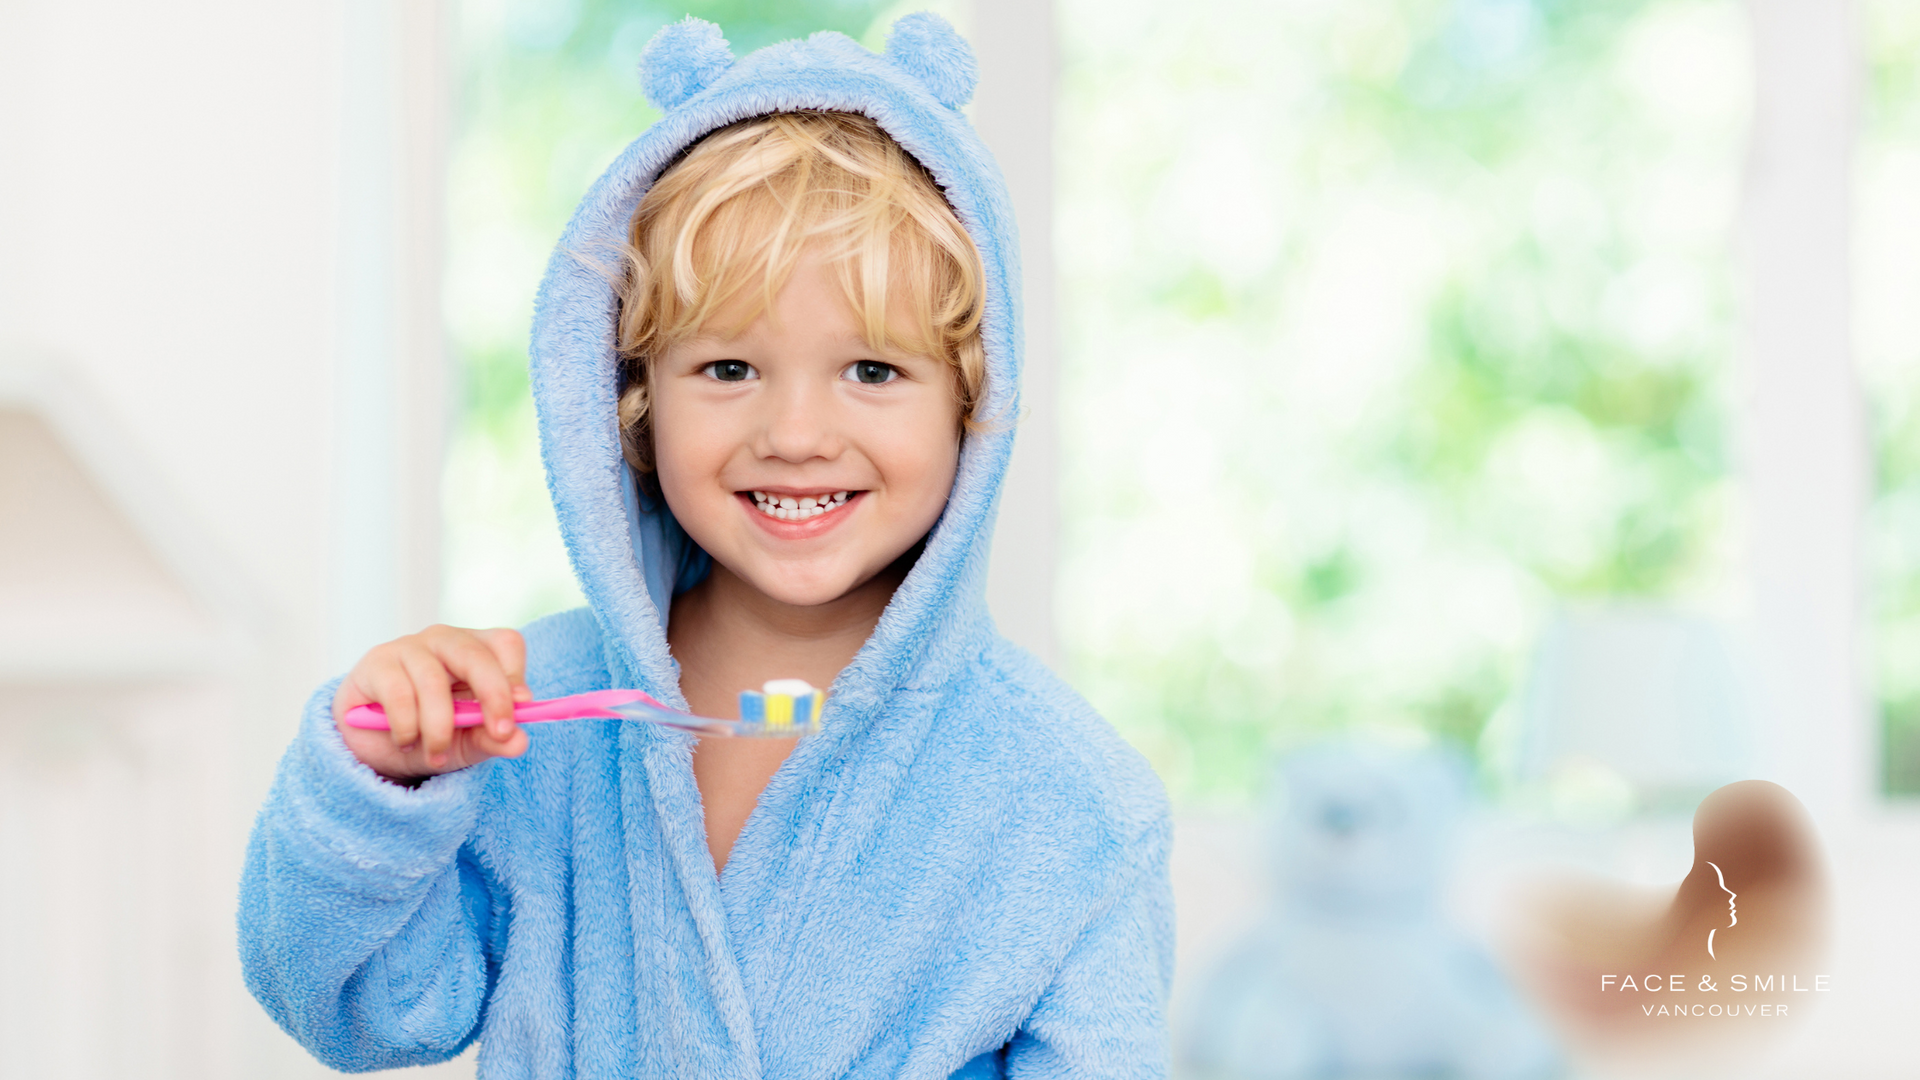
(762, 715)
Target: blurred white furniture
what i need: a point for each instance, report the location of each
(1648, 694)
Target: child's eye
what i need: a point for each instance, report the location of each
(872, 372)
(729, 370)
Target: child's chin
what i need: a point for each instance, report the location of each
(807, 591)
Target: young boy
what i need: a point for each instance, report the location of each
(774, 440)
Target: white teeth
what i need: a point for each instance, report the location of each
(790, 508)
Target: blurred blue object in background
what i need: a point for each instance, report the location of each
(1355, 971)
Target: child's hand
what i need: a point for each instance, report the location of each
(416, 678)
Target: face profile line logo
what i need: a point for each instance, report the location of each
(1732, 912)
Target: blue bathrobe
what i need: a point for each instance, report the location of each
(964, 874)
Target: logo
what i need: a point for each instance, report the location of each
(1732, 912)
(1738, 983)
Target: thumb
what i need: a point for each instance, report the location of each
(478, 744)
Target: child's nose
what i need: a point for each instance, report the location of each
(799, 425)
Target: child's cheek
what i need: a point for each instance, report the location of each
(689, 451)
(930, 460)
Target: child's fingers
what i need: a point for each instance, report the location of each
(511, 650)
(433, 695)
(485, 744)
(413, 680)
(393, 689)
(476, 663)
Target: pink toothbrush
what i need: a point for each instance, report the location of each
(784, 707)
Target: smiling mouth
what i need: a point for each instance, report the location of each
(798, 507)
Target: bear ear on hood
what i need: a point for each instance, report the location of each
(683, 59)
(927, 47)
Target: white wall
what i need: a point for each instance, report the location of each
(1804, 455)
(1013, 112)
(216, 217)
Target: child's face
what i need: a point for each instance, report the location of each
(799, 407)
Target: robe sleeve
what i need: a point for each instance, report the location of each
(1105, 1014)
(363, 920)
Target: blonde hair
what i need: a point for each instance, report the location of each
(721, 230)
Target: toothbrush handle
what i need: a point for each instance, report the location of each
(590, 706)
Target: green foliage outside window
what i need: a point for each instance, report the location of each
(1387, 325)
(1887, 245)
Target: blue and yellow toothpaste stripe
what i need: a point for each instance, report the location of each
(781, 710)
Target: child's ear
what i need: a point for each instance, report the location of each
(683, 59)
(927, 47)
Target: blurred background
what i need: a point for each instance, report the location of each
(1528, 384)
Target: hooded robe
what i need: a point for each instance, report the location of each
(963, 874)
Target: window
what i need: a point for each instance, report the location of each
(1388, 326)
(1887, 260)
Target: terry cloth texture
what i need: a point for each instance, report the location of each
(964, 874)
